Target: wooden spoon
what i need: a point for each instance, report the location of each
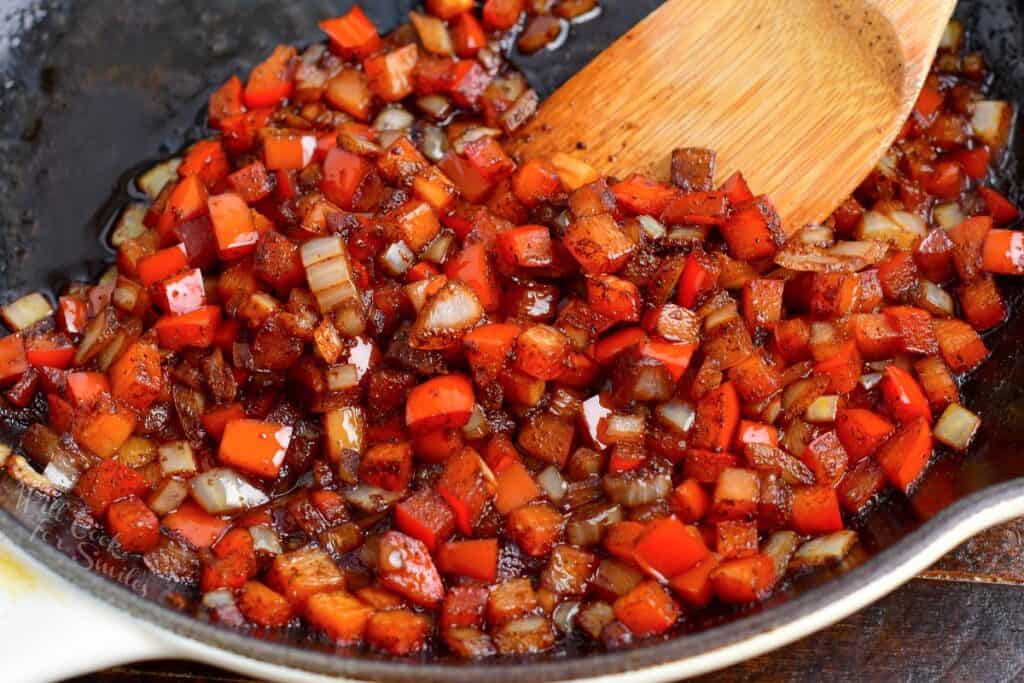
(803, 96)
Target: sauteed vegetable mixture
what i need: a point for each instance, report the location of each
(358, 367)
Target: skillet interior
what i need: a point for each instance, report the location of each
(85, 95)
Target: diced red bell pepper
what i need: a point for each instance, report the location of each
(106, 482)
(974, 162)
(843, 368)
(467, 484)
(162, 265)
(694, 586)
(425, 516)
(475, 559)
(353, 34)
(718, 415)
(754, 230)
(136, 377)
(217, 419)
(272, 80)
(816, 510)
(232, 225)
(441, 402)
(736, 189)
(860, 485)
(647, 610)
(186, 201)
(667, 547)
(689, 501)
(613, 344)
(903, 395)
(133, 525)
(349, 180)
(195, 525)
(263, 606)
(13, 362)
(515, 486)
(105, 428)
(697, 208)
(405, 566)
(489, 347)
(999, 207)
(387, 466)
(472, 266)
(391, 74)
(969, 246)
(761, 303)
(700, 276)
(225, 101)
(207, 160)
(914, 326)
(1003, 252)
(934, 256)
(255, 447)
(598, 244)
(744, 580)
(861, 431)
(937, 382)
(675, 357)
(961, 347)
(905, 456)
(195, 329)
(642, 196)
(50, 351)
(982, 303)
(287, 152)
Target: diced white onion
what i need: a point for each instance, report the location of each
(935, 299)
(61, 477)
(991, 121)
(343, 431)
(153, 181)
(21, 470)
(618, 428)
(652, 226)
(952, 35)
(780, 547)
(342, 377)
(129, 224)
(438, 249)
(265, 540)
(168, 496)
(393, 118)
(815, 235)
(348, 319)
(888, 164)
(473, 134)
(823, 550)
(822, 409)
(437, 107)
(956, 427)
(25, 312)
(870, 380)
(370, 498)
(720, 316)
(176, 457)
(221, 490)
(948, 215)
(476, 427)
(397, 258)
(321, 249)
(552, 483)
(434, 144)
(676, 415)
(5, 452)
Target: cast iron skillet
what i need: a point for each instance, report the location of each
(88, 91)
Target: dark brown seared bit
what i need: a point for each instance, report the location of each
(693, 169)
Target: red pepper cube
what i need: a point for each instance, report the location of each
(272, 80)
(226, 101)
(536, 182)
(906, 454)
(689, 501)
(341, 616)
(106, 482)
(105, 428)
(598, 244)
(614, 297)
(195, 329)
(197, 238)
(489, 159)
(535, 528)
(501, 15)
(982, 303)
(699, 277)
(860, 484)
(207, 160)
(133, 525)
(301, 575)
(666, 547)
(417, 224)
(474, 559)
(162, 264)
(745, 580)
(961, 347)
(232, 225)
(735, 539)
(13, 362)
(387, 466)
(425, 516)
(263, 606)
(904, 396)
(875, 336)
(255, 447)
(182, 293)
(761, 303)
(352, 35)
(647, 610)
(488, 348)
(464, 607)
(754, 230)
(718, 416)
(442, 402)
(694, 585)
(969, 239)
(526, 246)
(186, 201)
(391, 74)
(816, 510)
(861, 432)
(934, 255)
(472, 265)
(826, 457)
(469, 80)
(914, 326)
(467, 484)
(697, 208)
(136, 377)
(398, 632)
(642, 196)
(435, 188)
(278, 262)
(405, 566)
(541, 352)
(999, 207)
(252, 183)
(515, 485)
(286, 151)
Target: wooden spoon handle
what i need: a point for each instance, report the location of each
(804, 97)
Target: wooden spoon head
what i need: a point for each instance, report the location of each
(803, 97)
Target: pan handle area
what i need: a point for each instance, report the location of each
(51, 630)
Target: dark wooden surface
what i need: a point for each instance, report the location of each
(962, 620)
